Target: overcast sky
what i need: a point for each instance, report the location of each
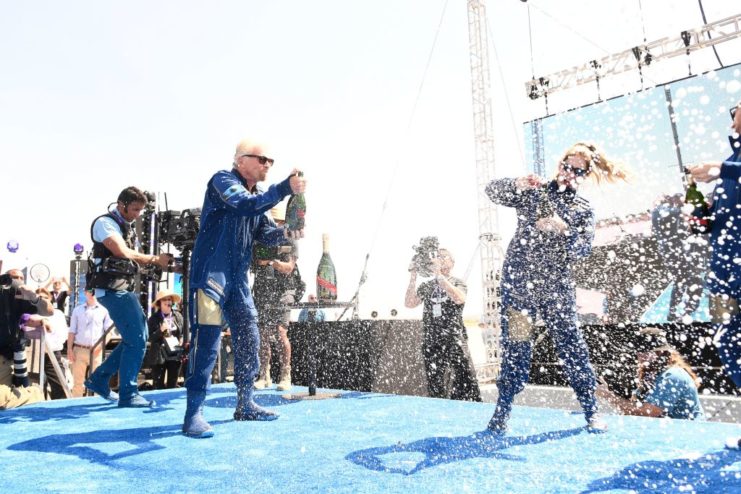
(96, 96)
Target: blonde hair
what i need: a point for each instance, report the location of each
(601, 167)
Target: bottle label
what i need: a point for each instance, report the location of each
(326, 285)
(700, 220)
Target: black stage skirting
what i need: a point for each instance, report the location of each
(385, 356)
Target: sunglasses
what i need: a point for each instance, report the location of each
(261, 159)
(733, 112)
(579, 172)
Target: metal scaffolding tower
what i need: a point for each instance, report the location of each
(489, 237)
(536, 128)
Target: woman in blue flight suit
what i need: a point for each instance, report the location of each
(555, 228)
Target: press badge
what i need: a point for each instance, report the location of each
(437, 310)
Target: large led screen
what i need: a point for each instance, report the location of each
(645, 265)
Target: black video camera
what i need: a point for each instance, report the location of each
(179, 228)
(5, 280)
(423, 255)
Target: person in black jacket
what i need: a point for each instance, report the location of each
(16, 302)
(164, 356)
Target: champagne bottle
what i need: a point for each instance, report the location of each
(326, 276)
(700, 216)
(296, 212)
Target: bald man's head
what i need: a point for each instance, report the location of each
(251, 146)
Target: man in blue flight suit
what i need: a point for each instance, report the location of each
(724, 278)
(232, 217)
(555, 227)
(111, 272)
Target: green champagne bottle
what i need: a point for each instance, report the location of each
(700, 216)
(296, 212)
(326, 276)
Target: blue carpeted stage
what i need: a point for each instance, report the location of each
(357, 443)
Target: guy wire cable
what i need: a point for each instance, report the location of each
(705, 21)
(471, 260)
(397, 163)
(580, 35)
(507, 98)
(643, 22)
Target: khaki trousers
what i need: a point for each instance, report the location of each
(80, 367)
(12, 397)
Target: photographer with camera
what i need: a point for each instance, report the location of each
(232, 218)
(112, 267)
(277, 285)
(444, 340)
(17, 301)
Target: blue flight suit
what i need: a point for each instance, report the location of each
(724, 277)
(232, 217)
(537, 285)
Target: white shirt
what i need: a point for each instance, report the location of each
(58, 335)
(88, 323)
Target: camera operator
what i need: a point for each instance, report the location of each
(444, 340)
(112, 268)
(16, 299)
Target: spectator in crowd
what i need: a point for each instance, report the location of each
(232, 217)
(112, 271)
(444, 340)
(310, 314)
(16, 299)
(87, 324)
(58, 289)
(724, 278)
(274, 289)
(56, 331)
(165, 340)
(555, 228)
(683, 261)
(667, 385)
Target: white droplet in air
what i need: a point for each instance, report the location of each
(687, 319)
(637, 290)
(704, 99)
(733, 86)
